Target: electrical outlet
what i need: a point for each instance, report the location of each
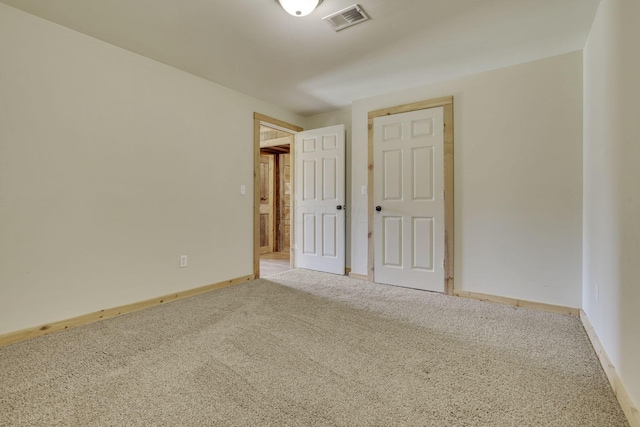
(597, 292)
(183, 261)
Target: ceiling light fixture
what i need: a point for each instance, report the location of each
(299, 7)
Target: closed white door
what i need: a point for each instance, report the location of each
(409, 199)
(320, 207)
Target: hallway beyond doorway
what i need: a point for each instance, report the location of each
(273, 263)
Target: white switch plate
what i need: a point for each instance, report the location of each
(243, 190)
(364, 190)
(183, 261)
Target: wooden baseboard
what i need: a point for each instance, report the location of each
(626, 402)
(25, 334)
(519, 303)
(359, 276)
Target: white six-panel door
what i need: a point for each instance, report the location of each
(320, 208)
(409, 199)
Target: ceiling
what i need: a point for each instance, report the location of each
(301, 64)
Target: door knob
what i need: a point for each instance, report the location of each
(339, 207)
(378, 208)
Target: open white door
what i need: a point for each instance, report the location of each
(408, 228)
(320, 207)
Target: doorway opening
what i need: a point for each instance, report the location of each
(273, 190)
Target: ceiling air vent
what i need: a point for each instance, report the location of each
(346, 17)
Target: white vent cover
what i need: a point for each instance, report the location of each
(346, 17)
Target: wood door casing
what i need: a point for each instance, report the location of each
(259, 120)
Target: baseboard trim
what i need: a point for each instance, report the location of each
(359, 276)
(519, 303)
(49, 328)
(629, 408)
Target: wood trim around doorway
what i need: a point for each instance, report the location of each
(447, 103)
(257, 119)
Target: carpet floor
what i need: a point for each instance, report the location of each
(309, 349)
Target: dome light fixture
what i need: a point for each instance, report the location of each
(299, 7)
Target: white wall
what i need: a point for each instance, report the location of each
(111, 167)
(339, 117)
(518, 179)
(612, 185)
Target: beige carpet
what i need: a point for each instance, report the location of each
(307, 349)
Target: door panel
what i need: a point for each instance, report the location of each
(329, 235)
(422, 238)
(320, 199)
(309, 180)
(329, 182)
(422, 173)
(392, 235)
(392, 175)
(309, 234)
(409, 188)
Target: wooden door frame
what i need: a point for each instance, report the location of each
(257, 120)
(447, 104)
